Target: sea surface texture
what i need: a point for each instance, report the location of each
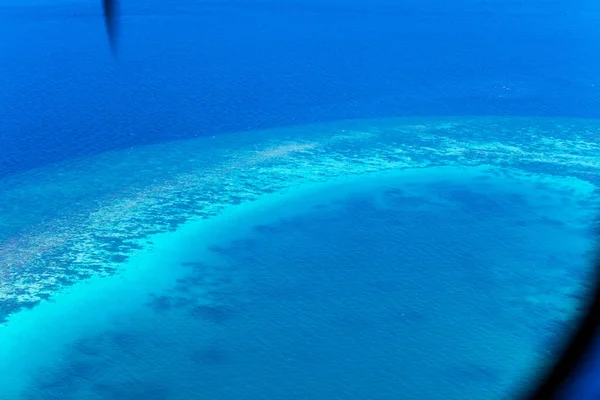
(294, 200)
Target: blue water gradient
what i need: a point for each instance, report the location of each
(196, 68)
(334, 253)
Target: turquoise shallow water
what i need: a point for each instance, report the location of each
(351, 259)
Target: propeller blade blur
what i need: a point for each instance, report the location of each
(111, 20)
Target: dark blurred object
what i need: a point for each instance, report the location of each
(585, 384)
(576, 374)
(111, 20)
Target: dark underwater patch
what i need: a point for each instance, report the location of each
(10, 306)
(127, 342)
(118, 258)
(64, 381)
(477, 203)
(220, 250)
(89, 346)
(394, 193)
(215, 314)
(185, 285)
(161, 304)
(266, 229)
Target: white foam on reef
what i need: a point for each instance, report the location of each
(111, 220)
(55, 234)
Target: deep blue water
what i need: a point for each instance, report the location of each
(194, 68)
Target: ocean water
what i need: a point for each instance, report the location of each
(294, 200)
(370, 258)
(198, 68)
